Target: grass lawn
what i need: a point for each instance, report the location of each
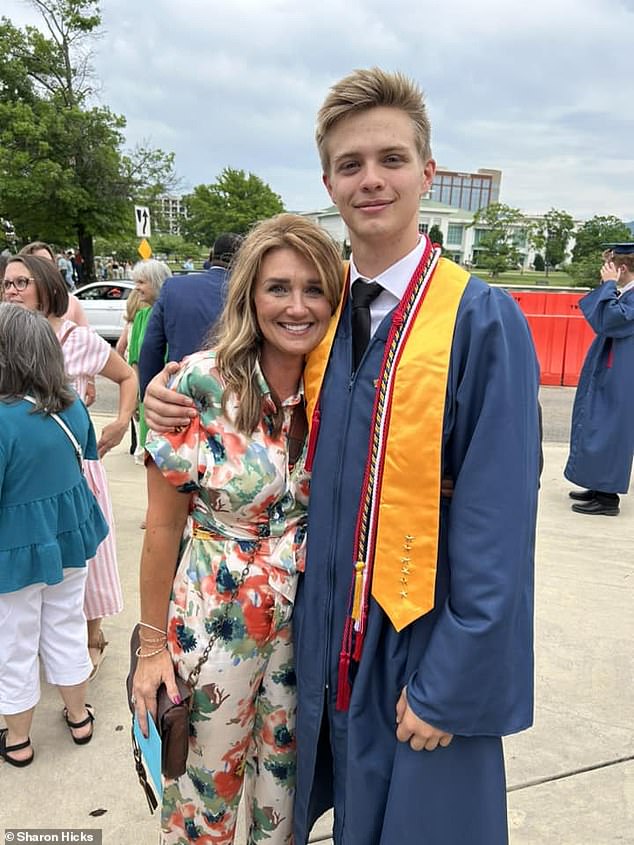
(556, 278)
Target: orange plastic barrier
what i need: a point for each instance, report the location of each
(578, 339)
(549, 336)
(531, 301)
(563, 303)
(560, 333)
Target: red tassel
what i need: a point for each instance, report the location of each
(358, 646)
(312, 439)
(343, 682)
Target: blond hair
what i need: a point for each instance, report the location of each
(371, 88)
(237, 337)
(133, 305)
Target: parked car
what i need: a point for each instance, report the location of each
(104, 305)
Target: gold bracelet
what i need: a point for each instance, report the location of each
(151, 654)
(159, 630)
(153, 640)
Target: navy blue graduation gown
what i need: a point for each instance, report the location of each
(602, 430)
(468, 664)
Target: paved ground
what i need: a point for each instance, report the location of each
(571, 778)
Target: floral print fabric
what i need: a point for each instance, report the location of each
(235, 583)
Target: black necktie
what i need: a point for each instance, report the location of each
(363, 293)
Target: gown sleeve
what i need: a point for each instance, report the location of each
(609, 314)
(151, 357)
(476, 675)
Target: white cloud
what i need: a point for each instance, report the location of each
(530, 88)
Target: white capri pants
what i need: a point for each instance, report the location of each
(45, 620)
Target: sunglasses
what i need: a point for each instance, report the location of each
(19, 283)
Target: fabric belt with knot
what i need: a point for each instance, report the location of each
(199, 532)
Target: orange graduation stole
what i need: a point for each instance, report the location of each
(396, 539)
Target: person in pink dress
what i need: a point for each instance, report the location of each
(74, 312)
(38, 286)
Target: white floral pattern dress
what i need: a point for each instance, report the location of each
(240, 556)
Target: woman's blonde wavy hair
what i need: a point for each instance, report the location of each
(237, 337)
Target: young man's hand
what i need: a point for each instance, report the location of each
(609, 273)
(420, 735)
(165, 409)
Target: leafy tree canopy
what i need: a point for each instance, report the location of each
(498, 225)
(171, 248)
(585, 271)
(435, 235)
(597, 231)
(551, 236)
(233, 203)
(63, 174)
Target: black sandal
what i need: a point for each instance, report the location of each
(90, 718)
(19, 746)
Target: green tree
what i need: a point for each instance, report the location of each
(585, 271)
(551, 235)
(597, 231)
(435, 235)
(538, 262)
(233, 203)
(150, 173)
(498, 225)
(63, 175)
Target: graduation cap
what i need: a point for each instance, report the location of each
(620, 249)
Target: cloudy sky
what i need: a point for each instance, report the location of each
(541, 90)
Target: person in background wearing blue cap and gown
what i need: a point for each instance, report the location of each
(602, 434)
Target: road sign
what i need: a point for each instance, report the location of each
(142, 220)
(145, 250)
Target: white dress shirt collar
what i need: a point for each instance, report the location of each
(395, 278)
(394, 282)
(628, 286)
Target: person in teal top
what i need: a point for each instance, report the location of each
(149, 276)
(50, 525)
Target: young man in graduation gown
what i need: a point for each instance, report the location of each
(414, 618)
(602, 433)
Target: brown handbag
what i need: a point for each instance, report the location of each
(172, 720)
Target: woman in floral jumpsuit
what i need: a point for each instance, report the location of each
(238, 535)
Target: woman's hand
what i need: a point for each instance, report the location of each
(111, 436)
(91, 393)
(150, 673)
